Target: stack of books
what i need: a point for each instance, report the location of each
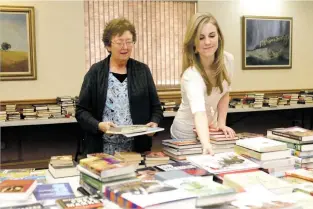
(12, 113)
(67, 105)
(62, 166)
(55, 111)
(28, 112)
(42, 111)
(169, 106)
(273, 156)
(271, 101)
(299, 140)
(23, 174)
(96, 173)
(155, 158)
(221, 143)
(130, 157)
(3, 116)
(178, 149)
(16, 190)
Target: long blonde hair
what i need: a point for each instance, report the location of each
(191, 58)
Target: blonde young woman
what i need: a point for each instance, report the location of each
(205, 82)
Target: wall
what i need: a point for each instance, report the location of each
(61, 59)
(228, 15)
(60, 52)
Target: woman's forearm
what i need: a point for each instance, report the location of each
(201, 123)
(222, 109)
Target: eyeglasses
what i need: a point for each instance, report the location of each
(121, 43)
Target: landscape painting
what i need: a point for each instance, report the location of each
(267, 42)
(17, 43)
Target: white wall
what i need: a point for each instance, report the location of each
(228, 15)
(60, 52)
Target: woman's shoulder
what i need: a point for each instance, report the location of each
(191, 73)
(228, 56)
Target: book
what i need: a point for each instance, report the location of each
(248, 181)
(127, 129)
(156, 156)
(200, 186)
(297, 133)
(144, 194)
(186, 167)
(305, 188)
(261, 144)
(93, 201)
(16, 189)
(222, 162)
(262, 155)
(147, 173)
(183, 151)
(60, 172)
(62, 161)
(53, 191)
(25, 206)
(168, 175)
(148, 131)
(182, 144)
(302, 174)
(107, 166)
(23, 174)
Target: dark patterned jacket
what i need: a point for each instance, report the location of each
(143, 100)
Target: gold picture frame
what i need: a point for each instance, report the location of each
(17, 44)
(267, 42)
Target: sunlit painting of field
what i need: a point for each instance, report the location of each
(14, 61)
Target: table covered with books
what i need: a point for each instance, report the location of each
(258, 172)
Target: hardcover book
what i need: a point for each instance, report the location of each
(297, 133)
(16, 189)
(93, 201)
(53, 191)
(222, 162)
(186, 167)
(261, 144)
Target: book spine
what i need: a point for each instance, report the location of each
(121, 201)
(277, 133)
(92, 182)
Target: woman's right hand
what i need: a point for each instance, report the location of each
(104, 126)
(207, 148)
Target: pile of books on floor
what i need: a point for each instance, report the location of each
(221, 143)
(155, 158)
(180, 149)
(273, 156)
(299, 140)
(62, 166)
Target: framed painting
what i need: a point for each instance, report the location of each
(17, 43)
(267, 42)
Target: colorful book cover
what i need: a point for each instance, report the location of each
(146, 173)
(27, 206)
(199, 186)
(16, 186)
(222, 162)
(23, 174)
(93, 201)
(184, 166)
(53, 191)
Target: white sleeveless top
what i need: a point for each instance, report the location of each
(195, 99)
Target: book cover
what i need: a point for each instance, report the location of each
(147, 173)
(222, 162)
(294, 133)
(199, 186)
(148, 131)
(154, 156)
(143, 194)
(169, 175)
(93, 201)
(184, 166)
(127, 129)
(247, 181)
(261, 144)
(16, 189)
(53, 191)
(23, 174)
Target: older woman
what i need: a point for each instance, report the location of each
(117, 91)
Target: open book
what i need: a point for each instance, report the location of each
(133, 130)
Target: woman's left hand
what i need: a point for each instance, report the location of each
(152, 125)
(229, 132)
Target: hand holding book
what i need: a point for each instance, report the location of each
(104, 126)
